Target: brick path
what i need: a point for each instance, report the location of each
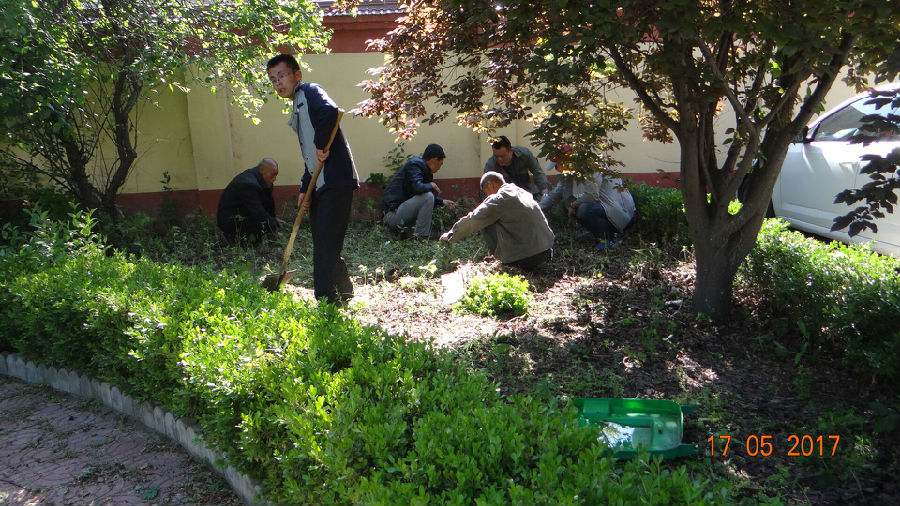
(62, 450)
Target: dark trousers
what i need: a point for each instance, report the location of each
(592, 216)
(329, 214)
(534, 261)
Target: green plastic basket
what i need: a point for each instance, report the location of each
(626, 425)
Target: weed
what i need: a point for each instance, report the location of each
(649, 338)
(499, 295)
(393, 160)
(587, 381)
(804, 382)
(416, 284)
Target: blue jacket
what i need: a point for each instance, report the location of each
(339, 171)
(412, 179)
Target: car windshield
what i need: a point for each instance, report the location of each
(847, 122)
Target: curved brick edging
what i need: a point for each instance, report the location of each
(163, 422)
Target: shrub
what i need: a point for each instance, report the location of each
(500, 295)
(661, 217)
(845, 297)
(316, 407)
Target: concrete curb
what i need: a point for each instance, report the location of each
(179, 430)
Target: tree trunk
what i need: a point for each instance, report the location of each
(713, 285)
(126, 93)
(721, 240)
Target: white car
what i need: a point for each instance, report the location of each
(822, 163)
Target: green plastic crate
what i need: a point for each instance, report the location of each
(627, 424)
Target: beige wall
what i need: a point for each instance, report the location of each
(202, 141)
(164, 144)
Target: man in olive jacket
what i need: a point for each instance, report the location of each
(411, 196)
(246, 207)
(518, 166)
(511, 222)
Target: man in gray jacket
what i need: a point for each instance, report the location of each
(517, 165)
(600, 203)
(511, 222)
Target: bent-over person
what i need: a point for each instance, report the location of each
(246, 208)
(601, 204)
(511, 222)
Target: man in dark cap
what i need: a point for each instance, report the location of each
(411, 196)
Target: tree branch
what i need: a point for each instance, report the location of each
(640, 89)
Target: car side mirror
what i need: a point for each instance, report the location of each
(804, 135)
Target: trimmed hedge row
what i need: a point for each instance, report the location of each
(846, 297)
(315, 407)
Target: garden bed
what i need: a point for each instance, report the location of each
(612, 324)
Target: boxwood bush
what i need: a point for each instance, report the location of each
(847, 298)
(660, 215)
(315, 407)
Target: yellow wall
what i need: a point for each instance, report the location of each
(640, 156)
(164, 144)
(202, 141)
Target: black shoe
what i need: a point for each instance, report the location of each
(343, 285)
(400, 233)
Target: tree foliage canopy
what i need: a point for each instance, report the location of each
(74, 74)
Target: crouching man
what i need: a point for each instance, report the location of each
(411, 196)
(511, 222)
(601, 204)
(246, 207)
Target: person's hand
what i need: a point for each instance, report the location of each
(300, 202)
(450, 204)
(446, 236)
(321, 155)
(572, 210)
(435, 189)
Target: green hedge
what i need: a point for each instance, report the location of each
(660, 215)
(847, 298)
(314, 406)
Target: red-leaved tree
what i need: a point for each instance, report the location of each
(767, 64)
